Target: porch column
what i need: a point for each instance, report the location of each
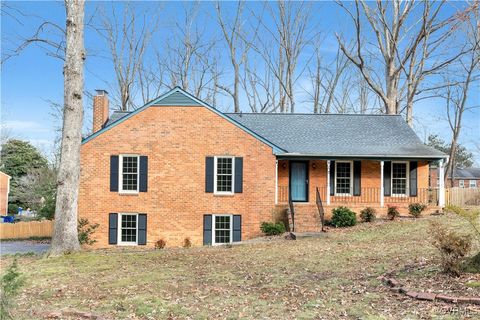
(441, 184)
(381, 184)
(276, 181)
(328, 182)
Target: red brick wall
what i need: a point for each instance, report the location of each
(100, 111)
(176, 141)
(4, 190)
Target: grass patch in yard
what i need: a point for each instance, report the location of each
(329, 277)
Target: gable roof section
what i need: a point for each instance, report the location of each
(339, 135)
(176, 97)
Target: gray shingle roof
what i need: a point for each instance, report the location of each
(466, 173)
(333, 135)
(116, 115)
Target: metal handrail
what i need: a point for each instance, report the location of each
(321, 211)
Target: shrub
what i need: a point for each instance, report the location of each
(187, 243)
(343, 217)
(392, 212)
(368, 214)
(12, 209)
(271, 228)
(10, 284)
(453, 247)
(415, 209)
(85, 231)
(160, 244)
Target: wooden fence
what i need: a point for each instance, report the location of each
(462, 196)
(24, 230)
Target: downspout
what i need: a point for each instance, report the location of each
(276, 181)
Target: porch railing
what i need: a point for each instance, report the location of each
(368, 196)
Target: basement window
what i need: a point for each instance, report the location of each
(128, 229)
(222, 229)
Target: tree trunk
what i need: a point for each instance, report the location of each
(65, 236)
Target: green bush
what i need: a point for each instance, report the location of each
(343, 217)
(85, 231)
(453, 247)
(10, 284)
(368, 214)
(12, 209)
(392, 212)
(415, 209)
(271, 228)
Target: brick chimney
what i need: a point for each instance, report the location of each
(100, 109)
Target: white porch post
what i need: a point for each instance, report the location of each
(441, 184)
(328, 182)
(276, 181)
(381, 184)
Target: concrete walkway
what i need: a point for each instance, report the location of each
(13, 247)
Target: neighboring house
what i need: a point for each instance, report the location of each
(462, 178)
(178, 168)
(4, 191)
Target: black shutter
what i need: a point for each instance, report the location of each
(238, 175)
(207, 229)
(357, 183)
(113, 173)
(332, 178)
(112, 228)
(143, 174)
(142, 229)
(237, 228)
(209, 174)
(387, 178)
(413, 178)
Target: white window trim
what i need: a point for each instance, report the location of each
(119, 230)
(472, 185)
(120, 174)
(351, 179)
(461, 183)
(215, 176)
(213, 228)
(407, 180)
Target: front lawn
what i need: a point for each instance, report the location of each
(323, 278)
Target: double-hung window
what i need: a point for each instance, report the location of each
(128, 228)
(473, 184)
(461, 183)
(129, 171)
(399, 178)
(222, 229)
(224, 175)
(343, 177)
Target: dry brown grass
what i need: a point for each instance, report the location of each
(323, 278)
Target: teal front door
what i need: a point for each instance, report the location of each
(299, 181)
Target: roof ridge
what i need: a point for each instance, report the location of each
(313, 114)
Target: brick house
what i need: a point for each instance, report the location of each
(462, 178)
(178, 168)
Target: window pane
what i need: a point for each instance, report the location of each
(222, 229)
(399, 178)
(343, 177)
(129, 173)
(224, 174)
(129, 228)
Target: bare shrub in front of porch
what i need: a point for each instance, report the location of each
(416, 209)
(368, 214)
(392, 212)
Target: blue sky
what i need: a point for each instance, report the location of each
(32, 80)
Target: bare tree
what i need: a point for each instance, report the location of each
(65, 236)
(127, 38)
(391, 24)
(281, 56)
(457, 94)
(188, 59)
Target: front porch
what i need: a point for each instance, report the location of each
(307, 184)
